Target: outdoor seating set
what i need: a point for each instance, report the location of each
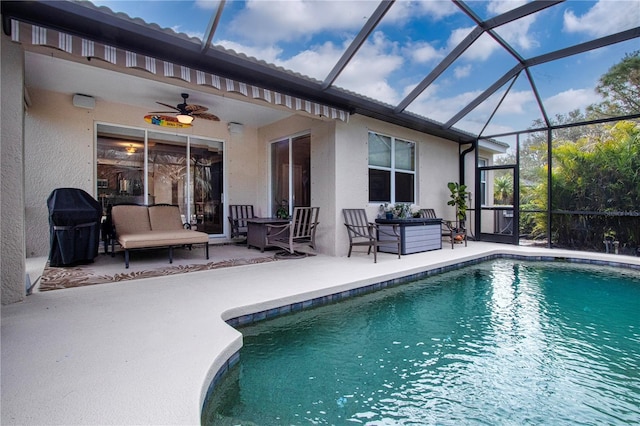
(402, 236)
(291, 235)
(136, 226)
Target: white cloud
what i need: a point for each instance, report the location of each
(316, 62)
(605, 17)
(517, 102)
(517, 110)
(369, 71)
(422, 52)
(480, 50)
(570, 100)
(442, 109)
(268, 54)
(437, 9)
(498, 7)
(494, 128)
(430, 92)
(405, 9)
(378, 56)
(267, 22)
(516, 33)
(462, 71)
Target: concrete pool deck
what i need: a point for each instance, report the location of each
(145, 351)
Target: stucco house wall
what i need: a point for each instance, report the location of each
(60, 146)
(436, 162)
(12, 223)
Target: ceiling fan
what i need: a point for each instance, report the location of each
(186, 112)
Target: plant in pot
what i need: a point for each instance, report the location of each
(388, 210)
(283, 210)
(459, 201)
(402, 210)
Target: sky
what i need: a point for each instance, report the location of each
(308, 37)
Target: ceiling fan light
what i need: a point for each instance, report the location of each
(184, 119)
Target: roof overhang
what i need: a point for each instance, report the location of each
(89, 22)
(493, 146)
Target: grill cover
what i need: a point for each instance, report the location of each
(74, 226)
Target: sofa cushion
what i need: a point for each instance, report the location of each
(165, 218)
(162, 238)
(130, 219)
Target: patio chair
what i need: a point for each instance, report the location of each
(450, 229)
(238, 215)
(297, 234)
(368, 234)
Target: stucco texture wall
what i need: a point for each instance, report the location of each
(437, 164)
(12, 224)
(60, 147)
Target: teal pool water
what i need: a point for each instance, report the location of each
(502, 342)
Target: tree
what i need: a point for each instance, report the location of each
(503, 189)
(602, 179)
(620, 87)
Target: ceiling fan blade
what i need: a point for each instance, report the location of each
(169, 106)
(196, 108)
(206, 116)
(162, 112)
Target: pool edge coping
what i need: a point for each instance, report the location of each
(252, 317)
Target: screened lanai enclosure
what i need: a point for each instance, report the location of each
(574, 187)
(558, 81)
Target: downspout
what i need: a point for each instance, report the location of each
(461, 166)
(462, 155)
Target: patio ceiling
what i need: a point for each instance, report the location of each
(454, 69)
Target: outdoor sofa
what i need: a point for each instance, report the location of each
(154, 226)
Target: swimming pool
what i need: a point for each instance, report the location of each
(503, 342)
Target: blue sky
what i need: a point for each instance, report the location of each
(308, 37)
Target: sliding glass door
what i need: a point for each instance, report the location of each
(207, 182)
(147, 167)
(291, 173)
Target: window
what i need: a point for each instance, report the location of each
(482, 162)
(392, 169)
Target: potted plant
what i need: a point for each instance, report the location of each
(459, 201)
(403, 211)
(388, 210)
(283, 210)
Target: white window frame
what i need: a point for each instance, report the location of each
(392, 169)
